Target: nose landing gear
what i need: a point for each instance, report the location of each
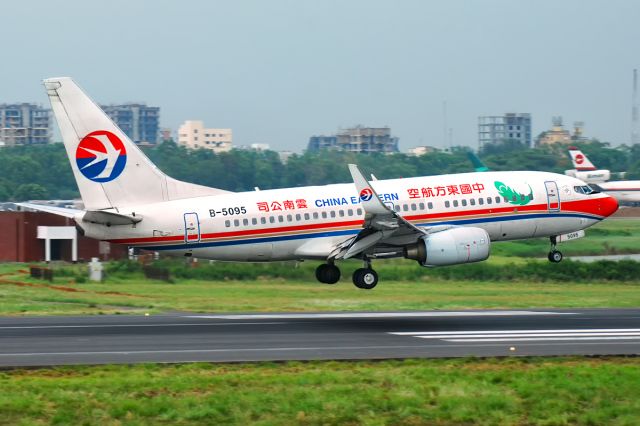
(555, 256)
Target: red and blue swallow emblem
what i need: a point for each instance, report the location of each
(101, 156)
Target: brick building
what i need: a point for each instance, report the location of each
(20, 242)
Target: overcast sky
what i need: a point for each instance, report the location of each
(278, 72)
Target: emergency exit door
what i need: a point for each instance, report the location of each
(191, 228)
(553, 197)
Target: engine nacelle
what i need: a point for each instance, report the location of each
(450, 247)
(594, 176)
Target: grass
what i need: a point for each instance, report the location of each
(512, 391)
(137, 295)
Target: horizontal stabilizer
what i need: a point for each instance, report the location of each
(92, 216)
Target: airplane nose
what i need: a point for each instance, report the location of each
(608, 206)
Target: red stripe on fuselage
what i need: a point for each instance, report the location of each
(580, 206)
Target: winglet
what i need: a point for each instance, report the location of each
(368, 197)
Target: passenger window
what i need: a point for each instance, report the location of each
(481, 201)
(455, 203)
(306, 216)
(298, 217)
(497, 200)
(315, 215)
(272, 219)
(395, 207)
(333, 213)
(254, 221)
(289, 218)
(341, 213)
(245, 222)
(489, 200)
(472, 201)
(464, 203)
(324, 215)
(413, 206)
(280, 218)
(430, 205)
(359, 211)
(421, 205)
(514, 198)
(447, 204)
(227, 223)
(236, 222)
(350, 212)
(263, 220)
(506, 200)
(405, 207)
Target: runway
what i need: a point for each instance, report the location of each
(45, 341)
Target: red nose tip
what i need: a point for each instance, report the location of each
(609, 206)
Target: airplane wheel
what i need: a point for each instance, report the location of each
(555, 256)
(365, 278)
(328, 274)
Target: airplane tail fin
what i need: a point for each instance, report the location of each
(110, 170)
(477, 163)
(579, 160)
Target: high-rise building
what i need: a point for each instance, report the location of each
(24, 124)
(192, 134)
(357, 139)
(498, 128)
(139, 121)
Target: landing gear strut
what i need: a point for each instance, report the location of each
(554, 256)
(365, 278)
(328, 273)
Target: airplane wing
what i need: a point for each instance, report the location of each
(383, 228)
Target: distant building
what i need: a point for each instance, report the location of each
(193, 135)
(139, 121)
(498, 128)
(357, 139)
(557, 134)
(422, 150)
(24, 124)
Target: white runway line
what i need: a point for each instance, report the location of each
(330, 315)
(487, 336)
(200, 324)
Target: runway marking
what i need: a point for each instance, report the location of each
(526, 335)
(330, 315)
(209, 324)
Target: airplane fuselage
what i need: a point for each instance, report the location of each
(307, 222)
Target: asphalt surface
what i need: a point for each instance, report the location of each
(44, 341)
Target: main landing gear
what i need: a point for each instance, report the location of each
(554, 256)
(364, 278)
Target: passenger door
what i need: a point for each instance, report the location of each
(553, 196)
(191, 228)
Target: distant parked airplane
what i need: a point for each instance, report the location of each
(622, 190)
(435, 220)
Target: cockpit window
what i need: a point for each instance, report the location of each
(585, 189)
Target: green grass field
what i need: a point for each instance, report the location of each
(560, 391)
(137, 295)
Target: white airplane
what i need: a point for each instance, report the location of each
(435, 220)
(622, 190)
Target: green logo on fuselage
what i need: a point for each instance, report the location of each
(512, 196)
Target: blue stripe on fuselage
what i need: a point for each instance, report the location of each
(323, 234)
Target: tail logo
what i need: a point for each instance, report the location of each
(101, 156)
(579, 158)
(366, 194)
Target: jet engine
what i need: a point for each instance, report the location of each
(450, 247)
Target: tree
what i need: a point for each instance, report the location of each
(30, 191)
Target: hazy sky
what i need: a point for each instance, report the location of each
(278, 72)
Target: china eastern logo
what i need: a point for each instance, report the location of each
(366, 194)
(101, 156)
